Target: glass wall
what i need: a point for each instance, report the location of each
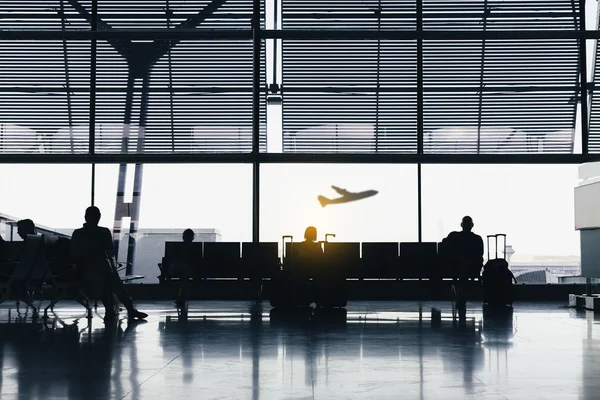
(54, 196)
(532, 204)
(214, 200)
(289, 202)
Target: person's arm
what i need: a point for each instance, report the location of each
(480, 249)
(108, 242)
(76, 247)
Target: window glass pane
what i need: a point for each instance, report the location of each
(289, 202)
(214, 200)
(532, 204)
(53, 196)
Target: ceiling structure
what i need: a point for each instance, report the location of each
(398, 79)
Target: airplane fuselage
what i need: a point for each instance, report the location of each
(353, 196)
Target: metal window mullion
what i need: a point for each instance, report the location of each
(93, 64)
(583, 79)
(420, 117)
(378, 77)
(256, 92)
(486, 10)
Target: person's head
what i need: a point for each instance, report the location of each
(25, 227)
(467, 223)
(188, 235)
(92, 215)
(310, 234)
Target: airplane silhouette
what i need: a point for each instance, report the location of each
(346, 196)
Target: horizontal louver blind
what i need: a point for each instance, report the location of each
(166, 14)
(500, 15)
(54, 15)
(349, 14)
(44, 96)
(349, 96)
(500, 96)
(200, 100)
(199, 93)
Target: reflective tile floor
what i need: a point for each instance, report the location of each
(231, 350)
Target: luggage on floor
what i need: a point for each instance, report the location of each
(329, 290)
(497, 278)
(289, 290)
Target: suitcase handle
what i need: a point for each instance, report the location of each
(283, 238)
(496, 237)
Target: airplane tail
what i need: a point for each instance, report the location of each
(324, 201)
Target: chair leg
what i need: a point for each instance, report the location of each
(85, 301)
(29, 303)
(50, 306)
(60, 295)
(87, 307)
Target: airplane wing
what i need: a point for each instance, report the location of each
(341, 191)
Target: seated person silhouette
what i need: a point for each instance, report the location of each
(188, 236)
(310, 251)
(465, 254)
(2, 250)
(183, 267)
(24, 227)
(92, 250)
(308, 254)
(307, 257)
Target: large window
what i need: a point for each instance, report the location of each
(289, 202)
(532, 204)
(54, 196)
(213, 200)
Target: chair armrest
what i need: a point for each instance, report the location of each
(59, 269)
(8, 265)
(122, 265)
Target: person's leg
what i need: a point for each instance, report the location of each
(184, 290)
(461, 301)
(100, 288)
(118, 288)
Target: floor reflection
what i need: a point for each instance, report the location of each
(235, 350)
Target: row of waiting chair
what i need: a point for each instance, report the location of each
(42, 270)
(367, 260)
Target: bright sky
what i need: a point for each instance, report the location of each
(532, 204)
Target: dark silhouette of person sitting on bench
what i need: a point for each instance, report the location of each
(183, 268)
(92, 250)
(26, 227)
(188, 236)
(2, 250)
(310, 244)
(465, 254)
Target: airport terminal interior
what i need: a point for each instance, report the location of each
(290, 199)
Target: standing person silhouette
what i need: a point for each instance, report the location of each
(466, 256)
(92, 250)
(183, 268)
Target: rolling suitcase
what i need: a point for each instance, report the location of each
(329, 280)
(497, 278)
(329, 290)
(289, 289)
